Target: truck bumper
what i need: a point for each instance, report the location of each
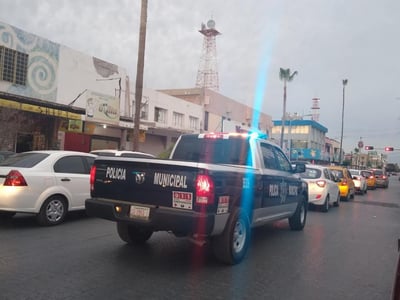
(179, 221)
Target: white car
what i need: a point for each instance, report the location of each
(323, 191)
(122, 153)
(360, 182)
(45, 183)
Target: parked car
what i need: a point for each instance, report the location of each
(344, 181)
(45, 183)
(122, 153)
(370, 177)
(5, 154)
(360, 182)
(382, 180)
(323, 191)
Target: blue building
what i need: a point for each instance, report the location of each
(304, 140)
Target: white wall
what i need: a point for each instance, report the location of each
(172, 104)
(78, 72)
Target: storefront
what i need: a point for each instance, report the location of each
(29, 124)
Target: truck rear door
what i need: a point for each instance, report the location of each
(146, 181)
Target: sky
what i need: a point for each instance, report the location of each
(324, 41)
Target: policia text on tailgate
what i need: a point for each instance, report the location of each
(213, 188)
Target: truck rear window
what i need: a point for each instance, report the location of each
(216, 151)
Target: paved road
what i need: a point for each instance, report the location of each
(348, 253)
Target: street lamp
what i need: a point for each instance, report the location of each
(344, 81)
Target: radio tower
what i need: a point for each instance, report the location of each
(315, 109)
(207, 75)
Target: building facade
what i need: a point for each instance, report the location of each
(224, 114)
(303, 139)
(53, 97)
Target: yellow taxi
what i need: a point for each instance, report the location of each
(370, 177)
(344, 181)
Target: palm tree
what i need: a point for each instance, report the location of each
(139, 74)
(285, 76)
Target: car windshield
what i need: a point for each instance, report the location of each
(24, 160)
(378, 172)
(311, 173)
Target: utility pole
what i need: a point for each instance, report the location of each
(139, 74)
(344, 81)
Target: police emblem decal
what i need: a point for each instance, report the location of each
(139, 177)
(283, 191)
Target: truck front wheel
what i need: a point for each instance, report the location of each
(298, 220)
(133, 235)
(231, 246)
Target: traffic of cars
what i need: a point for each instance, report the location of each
(49, 184)
(348, 182)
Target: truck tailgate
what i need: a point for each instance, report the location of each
(146, 181)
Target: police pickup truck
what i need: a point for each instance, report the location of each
(214, 188)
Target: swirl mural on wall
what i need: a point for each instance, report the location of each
(42, 73)
(7, 38)
(43, 60)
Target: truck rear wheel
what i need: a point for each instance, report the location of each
(132, 234)
(298, 220)
(231, 246)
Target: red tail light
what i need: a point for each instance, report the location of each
(321, 183)
(344, 182)
(371, 177)
(204, 190)
(384, 177)
(92, 177)
(15, 178)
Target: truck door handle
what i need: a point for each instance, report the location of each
(65, 179)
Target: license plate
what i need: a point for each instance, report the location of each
(139, 212)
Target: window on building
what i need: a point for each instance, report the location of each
(144, 112)
(299, 144)
(160, 115)
(13, 65)
(177, 119)
(193, 123)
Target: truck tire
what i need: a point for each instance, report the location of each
(231, 246)
(133, 235)
(53, 211)
(298, 220)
